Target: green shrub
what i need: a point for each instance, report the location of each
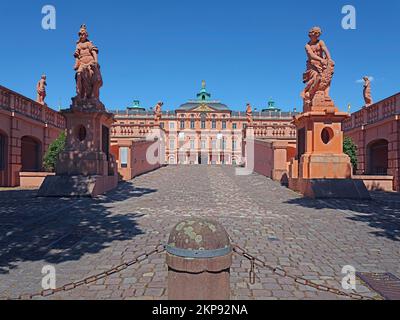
(51, 156)
(350, 148)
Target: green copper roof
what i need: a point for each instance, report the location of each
(203, 95)
(271, 107)
(136, 106)
(203, 98)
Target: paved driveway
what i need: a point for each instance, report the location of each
(81, 237)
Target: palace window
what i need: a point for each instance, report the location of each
(203, 124)
(182, 124)
(123, 155)
(172, 125)
(171, 144)
(203, 144)
(162, 125)
(223, 125)
(223, 142)
(234, 145)
(192, 145)
(214, 124)
(192, 124)
(234, 126)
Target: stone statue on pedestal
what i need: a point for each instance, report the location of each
(41, 90)
(88, 75)
(367, 92)
(249, 114)
(158, 112)
(86, 166)
(319, 73)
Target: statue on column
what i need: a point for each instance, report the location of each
(88, 75)
(158, 112)
(319, 73)
(249, 114)
(41, 90)
(367, 92)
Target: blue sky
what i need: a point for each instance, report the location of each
(247, 51)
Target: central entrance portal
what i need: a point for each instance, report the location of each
(203, 159)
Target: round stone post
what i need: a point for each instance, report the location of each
(199, 258)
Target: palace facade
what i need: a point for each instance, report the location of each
(201, 131)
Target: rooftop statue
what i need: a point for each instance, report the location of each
(249, 114)
(88, 75)
(319, 73)
(158, 112)
(41, 90)
(367, 92)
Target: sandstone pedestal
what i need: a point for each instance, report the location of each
(321, 169)
(86, 167)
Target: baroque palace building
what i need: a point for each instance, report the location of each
(200, 131)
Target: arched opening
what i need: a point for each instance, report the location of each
(377, 155)
(31, 154)
(81, 133)
(171, 160)
(3, 159)
(327, 135)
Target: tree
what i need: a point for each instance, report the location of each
(51, 156)
(350, 148)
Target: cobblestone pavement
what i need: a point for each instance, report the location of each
(82, 237)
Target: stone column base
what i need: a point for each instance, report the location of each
(77, 186)
(325, 166)
(330, 188)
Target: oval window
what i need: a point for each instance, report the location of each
(81, 133)
(327, 135)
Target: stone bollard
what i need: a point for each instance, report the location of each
(199, 258)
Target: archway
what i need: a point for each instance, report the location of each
(171, 160)
(3, 159)
(377, 157)
(31, 154)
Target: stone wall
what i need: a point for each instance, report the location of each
(132, 159)
(26, 126)
(271, 158)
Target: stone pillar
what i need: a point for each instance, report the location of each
(199, 258)
(323, 170)
(85, 168)
(280, 167)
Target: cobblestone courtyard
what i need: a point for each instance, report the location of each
(82, 237)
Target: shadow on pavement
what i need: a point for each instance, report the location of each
(381, 213)
(60, 229)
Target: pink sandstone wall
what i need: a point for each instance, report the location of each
(377, 183)
(137, 163)
(378, 123)
(24, 119)
(33, 179)
(263, 158)
(140, 164)
(271, 158)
